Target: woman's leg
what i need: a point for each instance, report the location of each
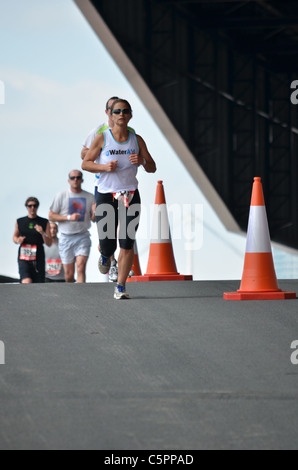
(125, 262)
(129, 224)
(107, 222)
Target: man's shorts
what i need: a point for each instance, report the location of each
(71, 246)
(34, 270)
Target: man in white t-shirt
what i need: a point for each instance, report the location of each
(74, 209)
(99, 129)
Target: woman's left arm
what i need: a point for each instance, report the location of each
(144, 158)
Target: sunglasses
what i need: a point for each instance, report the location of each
(72, 178)
(32, 206)
(119, 111)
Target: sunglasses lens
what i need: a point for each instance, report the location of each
(119, 111)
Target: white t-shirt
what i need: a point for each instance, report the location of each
(125, 176)
(68, 203)
(90, 139)
(94, 133)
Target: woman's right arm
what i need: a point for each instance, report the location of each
(88, 162)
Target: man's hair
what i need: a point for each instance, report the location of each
(32, 199)
(113, 98)
(73, 171)
(121, 101)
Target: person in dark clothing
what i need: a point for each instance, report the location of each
(31, 233)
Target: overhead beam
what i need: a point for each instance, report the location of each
(247, 23)
(270, 48)
(176, 2)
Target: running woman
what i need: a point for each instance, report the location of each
(117, 154)
(113, 274)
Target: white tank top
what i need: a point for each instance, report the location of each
(124, 178)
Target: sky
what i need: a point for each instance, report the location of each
(57, 77)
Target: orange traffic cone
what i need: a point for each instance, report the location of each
(136, 268)
(259, 280)
(161, 264)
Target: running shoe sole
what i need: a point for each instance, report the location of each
(121, 296)
(104, 269)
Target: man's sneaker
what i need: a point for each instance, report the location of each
(113, 274)
(120, 293)
(104, 264)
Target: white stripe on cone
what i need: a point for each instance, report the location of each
(258, 236)
(160, 226)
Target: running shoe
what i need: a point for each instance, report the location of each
(104, 264)
(120, 293)
(113, 274)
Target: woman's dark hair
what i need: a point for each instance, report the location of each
(121, 101)
(32, 199)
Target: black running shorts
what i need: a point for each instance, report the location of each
(34, 270)
(109, 213)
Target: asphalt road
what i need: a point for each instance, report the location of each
(175, 368)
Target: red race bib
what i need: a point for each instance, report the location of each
(54, 267)
(28, 252)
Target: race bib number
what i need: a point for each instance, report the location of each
(54, 267)
(28, 252)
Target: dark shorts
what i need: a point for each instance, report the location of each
(34, 270)
(109, 213)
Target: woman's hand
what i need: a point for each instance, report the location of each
(136, 159)
(111, 166)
